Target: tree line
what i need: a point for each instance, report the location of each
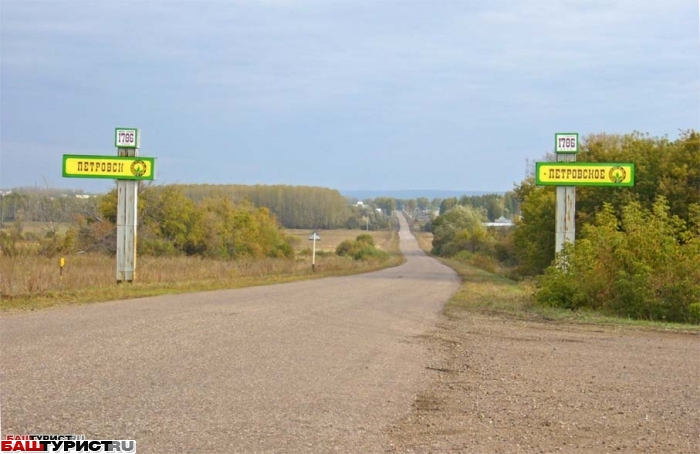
(216, 221)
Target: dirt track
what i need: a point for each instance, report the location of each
(508, 385)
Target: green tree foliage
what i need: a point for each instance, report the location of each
(386, 204)
(362, 217)
(662, 168)
(422, 203)
(46, 206)
(361, 248)
(293, 206)
(447, 204)
(535, 231)
(643, 266)
(236, 231)
(493, 205)
(170, 223)
(460, 229)
(410, 205)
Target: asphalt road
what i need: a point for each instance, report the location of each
(316, 366)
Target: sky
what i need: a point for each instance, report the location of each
(346, 94)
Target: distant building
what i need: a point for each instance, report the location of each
(500, 222)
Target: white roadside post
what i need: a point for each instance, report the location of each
(566, 147)
(314, 237)
(128, 142)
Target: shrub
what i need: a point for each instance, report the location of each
(485, 262)
(694, 313)
(644, 268)
(361, 248)
(365, 238)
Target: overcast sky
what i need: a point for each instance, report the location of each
(353, 94)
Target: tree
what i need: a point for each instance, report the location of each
(410, 205)
(422, 203)
(662, 168)
(534, 234)
(386, 204)
(448, 204)
(460, 229)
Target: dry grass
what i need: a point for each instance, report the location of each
(425, 240)
(330, 239)
(32, 282)
(483, 290)
(41, 228)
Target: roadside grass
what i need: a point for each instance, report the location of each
(33, 282)
(425, 240)
(487, 292)
(41, 228)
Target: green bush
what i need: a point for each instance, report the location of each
(644, 268)
(694, 313)
(485, 262)
(365, 238)
(347, 248)
(361, 248)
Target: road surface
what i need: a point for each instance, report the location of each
(317, 366)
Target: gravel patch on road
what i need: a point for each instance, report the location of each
(508, 385)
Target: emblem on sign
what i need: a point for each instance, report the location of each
(139, 168)
(617, 174)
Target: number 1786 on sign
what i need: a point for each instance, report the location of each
(126, 138)
(566, 143)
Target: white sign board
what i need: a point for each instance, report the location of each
(314, 236)
(566, 142)
(126, 138)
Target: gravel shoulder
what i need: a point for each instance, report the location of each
(511, 385)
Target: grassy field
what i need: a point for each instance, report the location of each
(330, 239)
(33, 282)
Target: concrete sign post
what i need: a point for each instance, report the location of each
(128, 169)
(566, 147)
(314, 237)
(565, 210)
(127, 141)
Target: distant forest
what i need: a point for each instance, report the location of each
(294, 207)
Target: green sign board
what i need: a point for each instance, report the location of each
(584, 174)
(112, 167)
